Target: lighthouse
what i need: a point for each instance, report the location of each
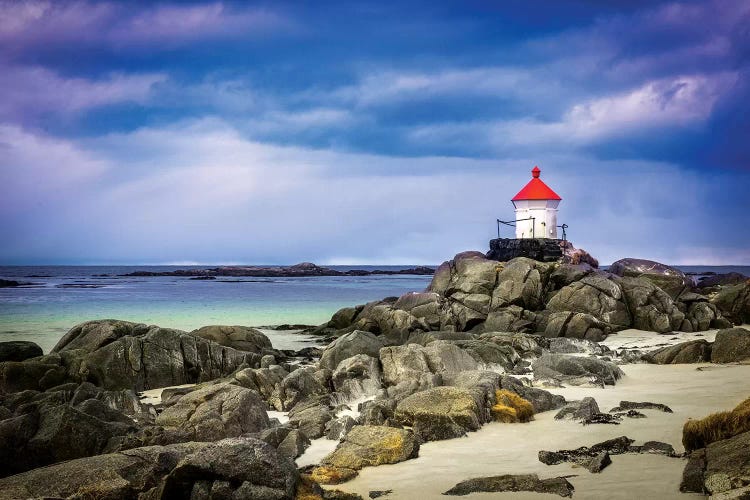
(536, 209)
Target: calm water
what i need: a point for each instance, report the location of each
(45, 312)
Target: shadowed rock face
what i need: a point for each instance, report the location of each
(19, 350)
(47, 427)
(238, 467)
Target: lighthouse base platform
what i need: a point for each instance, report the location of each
(541, 249)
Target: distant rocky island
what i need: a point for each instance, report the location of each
(489, 343)
(304, 269)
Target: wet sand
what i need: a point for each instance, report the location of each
(692, 391)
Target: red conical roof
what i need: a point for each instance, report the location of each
(536, 189)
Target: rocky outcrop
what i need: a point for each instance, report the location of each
(731, 345)
(575, 370)
(231, 468)
(241, 338)
(42, 428)
(312, 416)
(441, 413)
(727, 464)
(579, 410)
(348, 345)
(215, 412)
(357, 375)
(19, 350)
(122, 355)
(472, 293)
(694, 351)
(540, 399)
(522, 482)
(301, 384)
(671, 280)
(596, 457)
(364, 446)
(595, 294)
(734, 302)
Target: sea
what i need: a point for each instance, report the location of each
(63, 296)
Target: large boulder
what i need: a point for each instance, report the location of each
(693, 351)
(522, 282)
(576, 325)
(264, 381)
(447, 357)
(392, 324)
(302, 383)
(575, 370)
(156, 357)
(441, 413)
(540, 399)
(215, 412)
(407, 368)
(92, 335)
(231, 468)
(425, 306)
(31, 374)
(370, 445)
(348, 345)
(650, 307)
(595, 294)
(670, 279)
(53, 426)
(731, 345)
(734, 302)
(357, 376)
(19, 350)
(727, 465)
(241, 338)
(312, 416)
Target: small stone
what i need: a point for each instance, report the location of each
(379, 493)
(599, 462)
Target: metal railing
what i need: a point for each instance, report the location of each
(512, 223)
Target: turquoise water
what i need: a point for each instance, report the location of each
(45, 312)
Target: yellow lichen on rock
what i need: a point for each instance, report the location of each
(715, 427)
(511, 407)
(327, 474)
(504, 414)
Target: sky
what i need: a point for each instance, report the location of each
(370, 132)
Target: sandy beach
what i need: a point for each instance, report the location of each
(692, 391)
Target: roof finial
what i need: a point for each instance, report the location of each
(535, 172)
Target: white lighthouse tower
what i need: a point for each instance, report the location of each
(536, 209)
